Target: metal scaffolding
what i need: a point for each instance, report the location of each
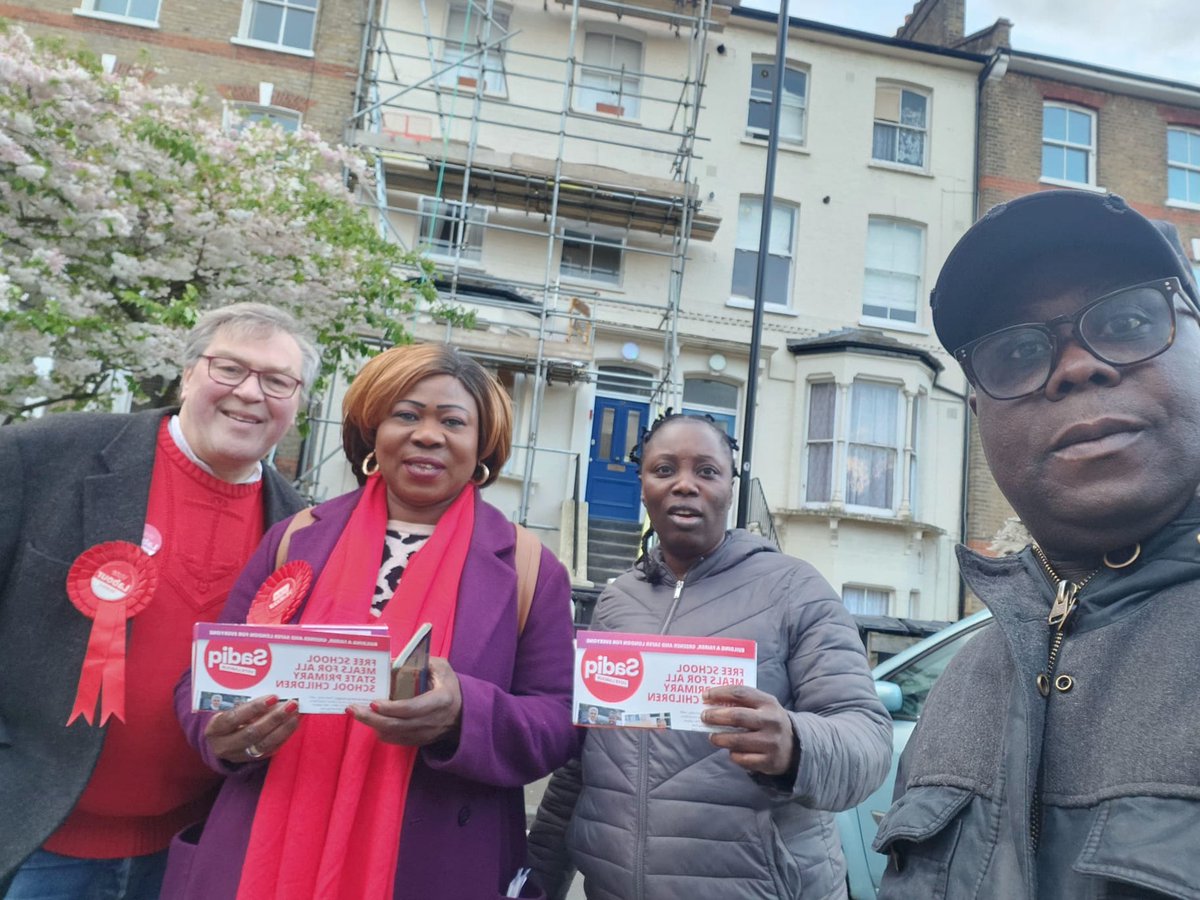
(430, 107)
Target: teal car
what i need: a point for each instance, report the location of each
(903, 682)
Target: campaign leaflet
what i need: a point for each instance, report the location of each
(323, 669)
(654, 680)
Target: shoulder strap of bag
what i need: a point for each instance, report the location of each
(302, 519)
(529, 560)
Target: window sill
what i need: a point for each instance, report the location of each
(1181, 204)
(277, 48)
(861, 514)
(472, 265)
(892, 325)
(600, 287)
(462, 90)
(112, 17)
(746, 303)
(1077, 185)
(784, 144)
(596, 116)
(919, 171)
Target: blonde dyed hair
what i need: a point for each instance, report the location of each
(389, 376)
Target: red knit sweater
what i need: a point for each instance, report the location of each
(148, 783)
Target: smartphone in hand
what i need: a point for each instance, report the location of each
(410, 669)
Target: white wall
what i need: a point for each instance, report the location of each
(836, 186)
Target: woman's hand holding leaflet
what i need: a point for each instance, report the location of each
(766, 742)
(252, 730)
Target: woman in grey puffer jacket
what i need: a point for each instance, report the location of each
(646, 815)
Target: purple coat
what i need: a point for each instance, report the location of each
(464, 822)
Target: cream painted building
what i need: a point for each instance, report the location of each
(587, 177)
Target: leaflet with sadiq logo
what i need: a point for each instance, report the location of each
(654, 680)
(324, 669)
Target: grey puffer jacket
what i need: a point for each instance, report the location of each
(666, 814)
(1089, 793)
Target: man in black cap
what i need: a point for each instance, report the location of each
(1059, 754)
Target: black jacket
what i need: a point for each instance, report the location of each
(67, 482)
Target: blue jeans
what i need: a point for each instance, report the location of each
(49, 876)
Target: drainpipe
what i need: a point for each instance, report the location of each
(993, 70)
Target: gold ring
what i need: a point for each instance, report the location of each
(253, 752)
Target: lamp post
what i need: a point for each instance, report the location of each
(760, 272)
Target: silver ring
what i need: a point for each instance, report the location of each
(253, 752)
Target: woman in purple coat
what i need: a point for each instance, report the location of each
(400, 798)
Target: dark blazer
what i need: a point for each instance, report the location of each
(67, 482)
(463, 834)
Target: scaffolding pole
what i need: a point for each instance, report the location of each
(415, 99)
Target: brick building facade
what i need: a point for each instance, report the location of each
(1053, 123)
(289, 60)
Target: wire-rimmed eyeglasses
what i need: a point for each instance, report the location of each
(1122, 328)
(232, 373)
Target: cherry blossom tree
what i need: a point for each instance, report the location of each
(126, 209)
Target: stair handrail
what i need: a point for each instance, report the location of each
(760, 513)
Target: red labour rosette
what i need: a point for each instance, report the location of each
(280, 595)
(109, 583)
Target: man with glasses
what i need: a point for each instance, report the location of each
(1057, 756)
(90, 806)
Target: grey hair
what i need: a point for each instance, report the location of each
(254, 320)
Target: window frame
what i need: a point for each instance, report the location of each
(452, 78)
(461, 220)
(88, 8)
(626, 111)
(1066, 145)
(831, 442)
(835, 491)
(888, 595)
(1186, 167)
(756, 133)
(718, 411)
(898, 126)
(793, 209)
(244, 38)
(236, 112)
(896, 446)
(591, 238)
(918, 276)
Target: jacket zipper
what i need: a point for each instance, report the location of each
(671, 609)
(639, 873)
(1066, 599)
(639, 878)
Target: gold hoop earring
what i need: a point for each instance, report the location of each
(476, 478)
(1137, 551)
(366, 468)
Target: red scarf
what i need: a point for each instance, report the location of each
(328, 821)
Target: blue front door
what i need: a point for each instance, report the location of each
(613, 491)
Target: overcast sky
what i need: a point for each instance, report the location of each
(1148, 37)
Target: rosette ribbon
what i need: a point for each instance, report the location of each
(110, 584)
(280, 595)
